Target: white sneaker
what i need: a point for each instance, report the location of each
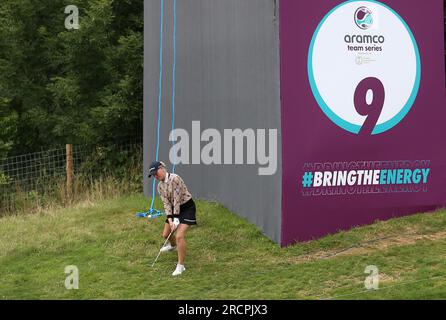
(179, 270)
(168, 247)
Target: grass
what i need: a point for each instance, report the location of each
(227, 259)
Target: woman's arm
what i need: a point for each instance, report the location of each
(166, 202)
(176, 186)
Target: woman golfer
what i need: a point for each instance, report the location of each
(179, 208)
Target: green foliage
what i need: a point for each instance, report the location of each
(8, 128)
(70, 86)
(4, 180)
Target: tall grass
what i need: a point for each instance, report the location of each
(100, 177)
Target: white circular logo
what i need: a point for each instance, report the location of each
(364, 72)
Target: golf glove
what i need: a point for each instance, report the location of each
(176, 222)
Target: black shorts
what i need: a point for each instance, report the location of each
(187, 213)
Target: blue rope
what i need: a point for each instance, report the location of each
(174, 77)
(160, 86)
(160, 96)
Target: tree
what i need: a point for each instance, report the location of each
(76, 86)
(8, 128)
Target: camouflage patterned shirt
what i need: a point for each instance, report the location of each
(173, 193)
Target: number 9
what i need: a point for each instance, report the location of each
(372, 110)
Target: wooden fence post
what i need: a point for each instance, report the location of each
(70, 172)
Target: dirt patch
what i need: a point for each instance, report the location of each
(409, 240)
(382, 243)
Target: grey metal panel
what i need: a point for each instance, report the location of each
(227, 78)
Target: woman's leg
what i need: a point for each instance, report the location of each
(181, 242)
(166, 232)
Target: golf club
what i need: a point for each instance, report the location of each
(162, 247)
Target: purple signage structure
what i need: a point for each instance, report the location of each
(363, 113)
(306, 117)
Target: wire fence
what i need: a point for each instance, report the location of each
(42, 172)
